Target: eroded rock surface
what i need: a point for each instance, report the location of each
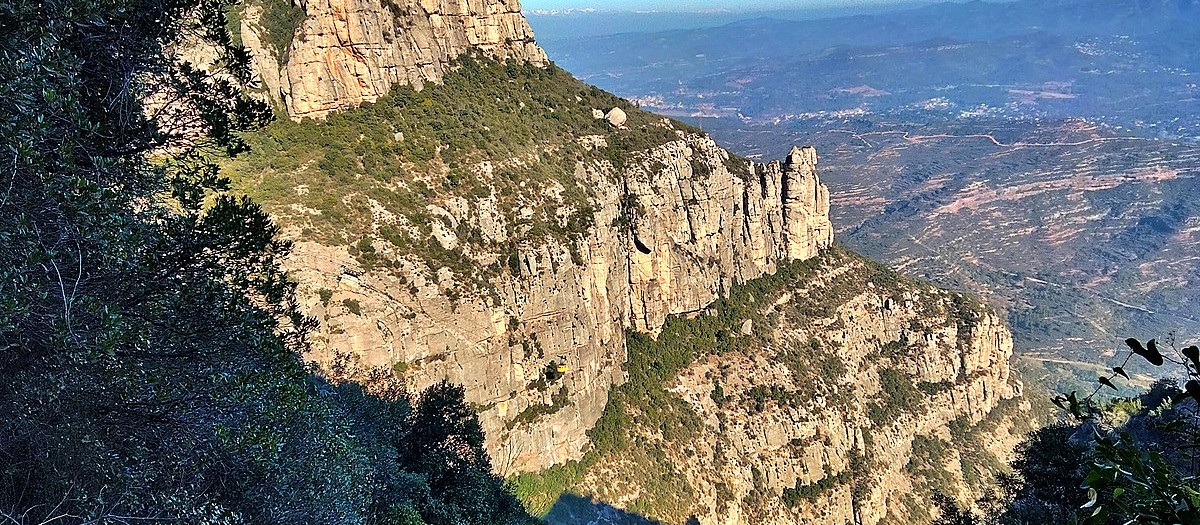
(346, 52)
(697, 229)
(857, 397)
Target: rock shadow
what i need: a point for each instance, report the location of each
(571, 509)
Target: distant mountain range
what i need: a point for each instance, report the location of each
(572, 24)
(1111, 60)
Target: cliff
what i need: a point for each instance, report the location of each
(833, 392)
(511, 229)
(337, 54)
(698, 230)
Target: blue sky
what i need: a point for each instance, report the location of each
(697, 5)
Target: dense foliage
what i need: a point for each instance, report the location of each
(148, 338)
(1145, 469)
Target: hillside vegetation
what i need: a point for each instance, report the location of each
(149, 341)
(505, 133)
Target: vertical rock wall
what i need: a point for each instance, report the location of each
(805, 205)
(697, 230)
(346, 52)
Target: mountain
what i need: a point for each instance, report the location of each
(566, 25)
(636, 314)
(1013, 158)
(318, 56)
(832, 391)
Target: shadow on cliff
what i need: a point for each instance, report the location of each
(571, 509)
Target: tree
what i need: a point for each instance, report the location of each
(446, 444)
(1145, 472)
(132, 318)
(1043, 488)
(149, 339)
(949, 512)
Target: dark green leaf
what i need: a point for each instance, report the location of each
(1193, 355)
(1150, 354)
(1192, 387)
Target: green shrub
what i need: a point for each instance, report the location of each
(802, 493)
(897, 396)
(280, 21)
(539, 491)
(559, 400)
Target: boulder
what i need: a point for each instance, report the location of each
(617, 117)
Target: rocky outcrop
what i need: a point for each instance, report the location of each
(616, 117)
(673, 229)
(674, 223)
(346, 52)
(805, 205)
(828, 417)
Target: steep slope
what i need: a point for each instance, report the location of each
(319, 56)
(833, 391)
(431, 250)
(514, 230)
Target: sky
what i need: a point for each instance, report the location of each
(697, 5)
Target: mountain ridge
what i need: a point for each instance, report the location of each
(500, 229)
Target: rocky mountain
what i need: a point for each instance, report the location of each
(471, 212)
(318, 56)
(833, 391)
(695, 228)
(1044, 162)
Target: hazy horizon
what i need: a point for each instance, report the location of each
(705, 5)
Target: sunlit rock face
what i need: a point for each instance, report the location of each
(674, 228)
(699, 228)
(346, 52)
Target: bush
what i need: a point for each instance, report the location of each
(280, 21)
(897, 396)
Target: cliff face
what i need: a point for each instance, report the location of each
(855, 398)
(346, 52)
(694, 228)
(507, 228)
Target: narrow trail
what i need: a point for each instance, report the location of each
(909, 137)
(922, 138)
(852, 134)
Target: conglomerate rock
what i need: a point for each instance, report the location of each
(700, 229)
(346, 52)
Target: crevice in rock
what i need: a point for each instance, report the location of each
(637, 243)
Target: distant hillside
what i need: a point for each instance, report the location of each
(980, 145)
(1106, 60)
(553, 25)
